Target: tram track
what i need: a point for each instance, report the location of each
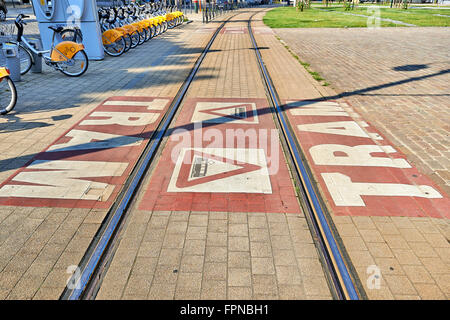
(87, 280)
(338, 274)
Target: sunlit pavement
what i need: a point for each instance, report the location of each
(235, 230)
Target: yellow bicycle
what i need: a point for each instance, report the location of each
(8, 93)
(67, 56)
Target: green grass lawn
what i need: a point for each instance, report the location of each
(419, 17)
(288, 17)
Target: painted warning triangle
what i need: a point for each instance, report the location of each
(248, 116)
(186, 179)
(202, 165)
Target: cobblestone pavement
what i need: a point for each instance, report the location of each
(209, 254)
(212, 254)
(38, 244)
(397, 80)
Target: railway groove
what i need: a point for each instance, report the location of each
(86, 283)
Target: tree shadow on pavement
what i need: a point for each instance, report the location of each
(20, 161)
(364, 91)
(52, 91)
(410, 67)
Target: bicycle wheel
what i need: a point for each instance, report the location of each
(153, 31)
(8, 95)
(127, 39)
(148, 34)
(142, 36)
(76, 66)
(2, 15)
(115, 48)
(135, 39)
(26, 60)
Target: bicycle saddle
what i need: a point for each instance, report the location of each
(57, 30)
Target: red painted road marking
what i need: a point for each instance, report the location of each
(185, 177)
(358, 170)
(233, 30)
(221, 170)
(245, 115)
(230, 166)
(86, 167)
(205, 30)
(221, 112)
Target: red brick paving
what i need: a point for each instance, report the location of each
(281, 200)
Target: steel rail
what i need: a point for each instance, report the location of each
(343, 283)
(86, 282)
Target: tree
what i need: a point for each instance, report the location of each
(303, 4)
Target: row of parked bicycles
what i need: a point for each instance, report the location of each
(127, 27)
(123, 28)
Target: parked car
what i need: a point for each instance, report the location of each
(3, 10)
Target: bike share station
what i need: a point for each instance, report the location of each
(72, 32)
(81, 14)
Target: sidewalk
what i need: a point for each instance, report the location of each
(240, 235)
(199, 15)
(218, 216)
(403, 93)
(39, 242)
(409, 248)
(14, 11)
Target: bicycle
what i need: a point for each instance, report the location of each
(120, 21)
(129, 32)
(126, 27)
(68, 57)
(8, 93)
(72, 34)
(131, 19)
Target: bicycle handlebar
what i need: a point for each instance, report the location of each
(19, 19)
